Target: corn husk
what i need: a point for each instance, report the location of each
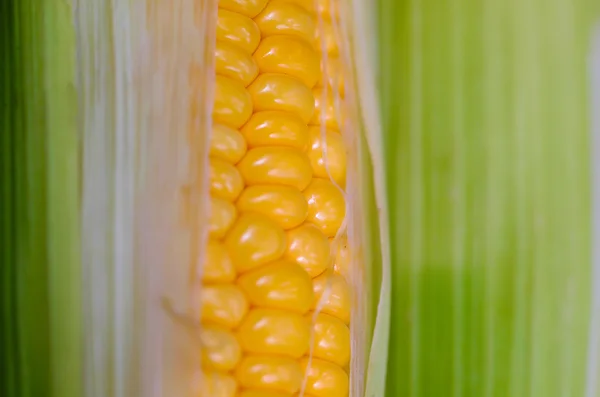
(41, 288)
(487, 122)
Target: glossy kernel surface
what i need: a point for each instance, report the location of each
(249, 8)
(325, 379)
(326, 206)
(254, 240)
(278, 285)
(308, 247)
(327, 156)
(273, 331)
(338, 301)
(283, 204)
(237, 29)
(233, 103)
(220, 348)
(217, 264)
(331, 339)
(335, 74)
(222, 216)
(288, 55)
(322, 7)
(276, 165)
(276, 128)
(273, 91)
(227, 144)
(270, 373)
(281, 17)
(326, 38)
(225, 180)
(223, 304)
(328, 109)
(232, 61)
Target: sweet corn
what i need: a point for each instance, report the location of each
(282, 18)
(272, 331)
(274, 128)
(273, 279)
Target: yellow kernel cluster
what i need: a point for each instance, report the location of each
(276, 202)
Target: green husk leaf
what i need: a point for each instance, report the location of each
(486, 118)
(40, 203)
(63, 200)
(9, 378)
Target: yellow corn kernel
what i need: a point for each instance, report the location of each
(272, 91)
(326, 206)
(272, 331)
(280, 17)
(328, 9)
(269, 258)
(220, 348)
(278, 285)
(227, 144)
(254, 240)
(333, 112)
(341, 262)
(232, 61)
(262, 393)
(331, 339)
(325, 379)
(288, 55)
(270, 373)
(283, 204)
(276, 165)
(326, 38)
(237, 29)
(225, 180)
(308, 247)
(222, 216)
(323, 7)
(249, 8)
(338, 301)
(217, 264)
(215, 384)
(329, 159)
(335, 74)
(233, 104)
(224, 305)
(275, 128)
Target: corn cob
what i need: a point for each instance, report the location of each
(275, 303)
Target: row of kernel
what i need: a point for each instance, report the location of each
(331, 352)
(277, 106)
(278, 171)
(331, 348)
(225, 306)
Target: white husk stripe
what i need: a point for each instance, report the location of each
(364, 52)
(134, 63)
(366, 198)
